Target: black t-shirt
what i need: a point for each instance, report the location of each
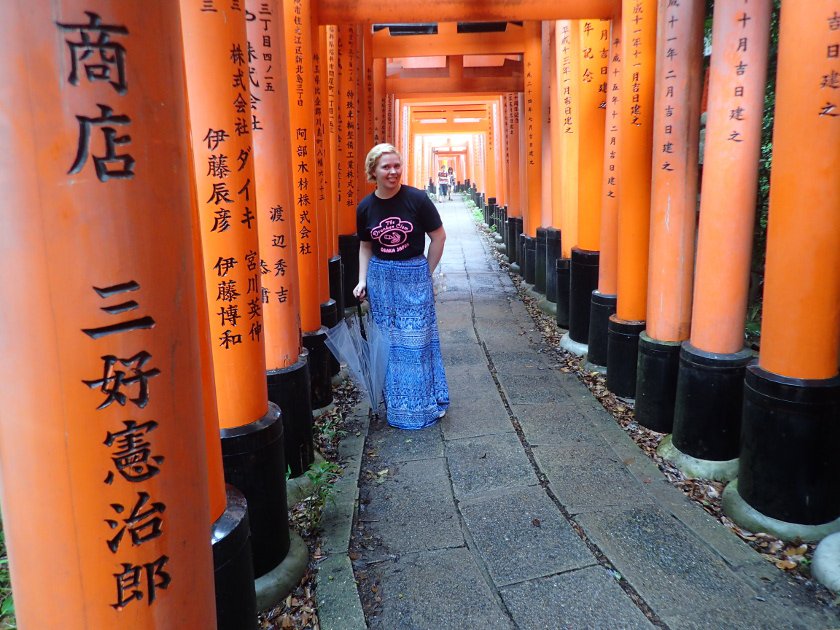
(397, 226)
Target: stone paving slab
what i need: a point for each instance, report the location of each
(487, 463)
(585, 599)
(470, 382)
(662, 559)
(528, 389)
(475, 415)
(522, 535)
(512, 357)
(463, 355)
(549, 423)
(458, 340)
(437, 590)
(395, 445)
(412, 509)
(499, 309)
(590, 478)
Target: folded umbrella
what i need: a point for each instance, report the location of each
(360, 344)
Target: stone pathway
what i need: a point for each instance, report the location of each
(528, 506)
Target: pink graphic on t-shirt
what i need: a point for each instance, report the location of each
(392, 234)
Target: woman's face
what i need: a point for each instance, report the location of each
(388, 171)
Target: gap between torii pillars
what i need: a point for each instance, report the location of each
(347, 144)
(297, 24)
(707, 415)
(106, 349)
(638, 43)
(604, 299)
(593, 55)
(287, 373)
(792, 396)
(676, 135)
(218, 78)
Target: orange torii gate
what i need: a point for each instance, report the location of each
(791, 390)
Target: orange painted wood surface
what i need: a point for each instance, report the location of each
(324, 206)
(608, 258)
(380, 100)
(730, 174)
(676, 135)
(513, 144)
(592, 89)
(347, 133)
(340, 11)
(221, 120)
(801, 323)
(490, 155)
(568, 64)
(447, 41)
(326, 51)
(299, 49)
(102, 455)
(636, 128)
(532, 126)
(273, 176)
(501, 141)
(555, 129)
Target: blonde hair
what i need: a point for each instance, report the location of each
(373, 158)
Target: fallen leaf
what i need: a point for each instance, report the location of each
(786, 564)
(796, 551)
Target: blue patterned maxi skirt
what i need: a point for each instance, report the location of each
(402, 303)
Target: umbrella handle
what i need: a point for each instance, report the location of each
(361, 319)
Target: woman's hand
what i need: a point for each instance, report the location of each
(360, 291)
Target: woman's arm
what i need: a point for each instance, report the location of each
(365, 253)
(436, 248)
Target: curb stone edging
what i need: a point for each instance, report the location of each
(339, 605)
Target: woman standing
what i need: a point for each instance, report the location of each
(395, 276)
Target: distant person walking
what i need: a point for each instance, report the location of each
(451, 181)
(392, 223)
(443, 183)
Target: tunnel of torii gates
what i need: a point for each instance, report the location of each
(182, 181)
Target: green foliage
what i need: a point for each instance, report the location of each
(322, 476)
(7, 604)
